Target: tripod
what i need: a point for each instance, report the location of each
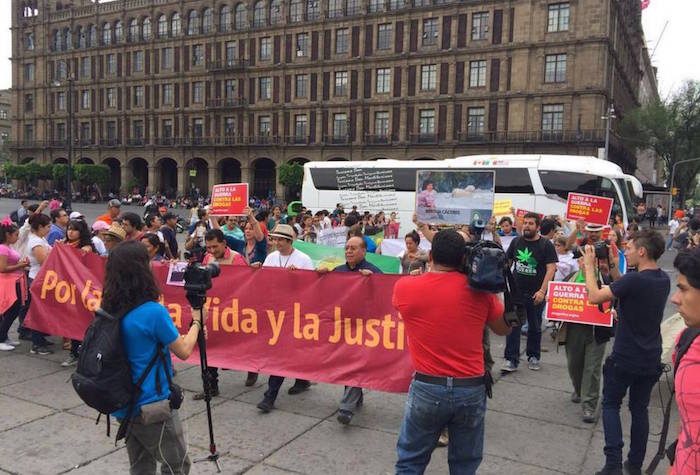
(196, 299)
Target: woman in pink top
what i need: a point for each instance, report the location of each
(687, 377)
(10, 262)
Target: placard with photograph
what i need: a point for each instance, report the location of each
(454, 196)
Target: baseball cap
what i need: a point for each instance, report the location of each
(594, 227)
(115, 203)
(76, 215)
(100, 226)
(283, 231)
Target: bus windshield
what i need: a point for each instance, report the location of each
(627, 193)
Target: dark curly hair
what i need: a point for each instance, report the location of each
(129, 281)
(6, 230)
(85, 238)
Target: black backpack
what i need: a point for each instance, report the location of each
(102, 378)
(684, 342)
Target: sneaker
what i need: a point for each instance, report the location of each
(6, 347)
(299, 387)
(72, 359)
(40, 350)
(25, 335)
(575, 398)
(509, 367)
(610, 471)
(533, 363)
(266, 405)
(12, 342)
(344, 417)
(588, 416)
(251, 379)
(630, 470)
(200, 396)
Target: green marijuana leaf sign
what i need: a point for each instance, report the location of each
(525, 257)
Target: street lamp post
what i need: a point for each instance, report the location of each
(69, 136)
(608, 118)
(673, 175)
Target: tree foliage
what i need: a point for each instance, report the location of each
(672, 130)
(291, 174)
(82, 173)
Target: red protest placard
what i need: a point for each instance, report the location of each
(229, 199)
(520, 214)
(568, 302)
(592, 209)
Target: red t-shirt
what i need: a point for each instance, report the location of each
(687, 382)
(444, 321)
(231, 258)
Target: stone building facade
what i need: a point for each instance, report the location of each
(178, 93)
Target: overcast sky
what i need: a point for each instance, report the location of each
(674, 55)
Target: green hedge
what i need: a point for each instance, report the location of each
(81, 173)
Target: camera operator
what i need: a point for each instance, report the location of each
(217, 252)
(635, 359)
(145, 324)
(445, 331)
(535, 262)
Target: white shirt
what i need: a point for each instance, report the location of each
(672, 226)
(99, 246)
(32, 242)
(297, 259)
(566, 265)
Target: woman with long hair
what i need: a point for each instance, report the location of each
(10, 263)
(154, 247)
(130, 292)
(37, 250)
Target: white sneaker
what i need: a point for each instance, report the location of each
(6, 347)
(12, 342)
(508, 367)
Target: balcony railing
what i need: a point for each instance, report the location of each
(537, 136)
(336, 139)
(264, 140)
(378, 139)
(226, 103)
(424, 138)
(226, 65)
(136, 142)
(297, 140)
(114, 142)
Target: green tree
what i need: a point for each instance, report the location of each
(672, 130)
(291, 174)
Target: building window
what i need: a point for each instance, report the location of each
(296, 11)
(167, 94)
(138, 61)
(276, 12)
(241, 17)
(302, 44)
(111, 64)
(477, 73)
(354, 7)
(230, 89)
(3, 114)
(138, 96)
(480, 26)
(555, 68)
(426, 124)
(475, 121)
(300, 127)
(383, 81)
(225, 19)
(230, 53)
(118, 32)
(198, 128)
(428, 77)
(85, 132)
(61, 70)
(28, 102)
(398, 4)
(341, 83)
(197, 92)
(138, 129)
(85, 99)
(552, 118)
(92, 36)
(193, 23)
(60, 135)
(175, 25)
(313, 10)
(341, 41)
(29, 72)
(166, 58)
(264, 125)
(376, 6)
(430, 31)
(68, 38)
(265, 88)
(162, 26)
(29, 41)
(106, 34)
(340, 126)
(167, 128)
(111, 131)
(146, 29)
(28, 133)
(259, 14)
(265, 48)
(82, 40)
(301, 86)
(111, 97)
(197, 55)
(558, 17)
(384, 36)
(229, 127)
(208, 20)
(133, 30)
(61, 101)
(85, 68)
(336, 8)
(381, 124)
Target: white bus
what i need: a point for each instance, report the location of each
(533, 182)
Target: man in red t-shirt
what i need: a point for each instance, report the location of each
(445, 341)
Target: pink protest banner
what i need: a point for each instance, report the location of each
(592, 209)
(568, 302)
(229, 199)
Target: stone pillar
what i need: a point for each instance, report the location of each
(125, 177)
(152, 185)
(181, 179)
(246, 175)
(212, 180)
(279, 188)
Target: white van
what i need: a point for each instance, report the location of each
(538, 183)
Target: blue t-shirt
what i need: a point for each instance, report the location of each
(55, 233)
(640, 312)
(259, 250)
(141, 331)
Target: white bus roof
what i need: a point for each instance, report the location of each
(572, 163)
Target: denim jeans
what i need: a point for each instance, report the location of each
(534, 334)
(430, 408)
(274, 383)
(616, 380)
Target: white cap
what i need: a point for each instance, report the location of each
(76, 215)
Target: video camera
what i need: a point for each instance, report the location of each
(600, 248)
(198, 281)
